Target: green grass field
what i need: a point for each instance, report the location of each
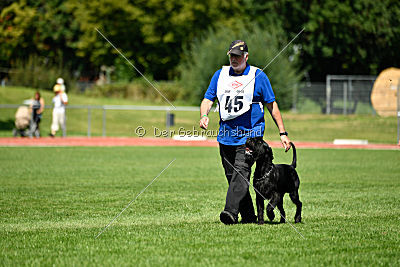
(54, 201)
(301, 127)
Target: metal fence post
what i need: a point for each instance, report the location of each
(398, 112)
(64, 126)
(328, 94)
(167, 120)
(351, 93)
(345, 98)
(89, 121)
(104, 122)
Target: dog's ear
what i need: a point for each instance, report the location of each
(265, 144)
(268, 150)
(270, 154)
(258, 139)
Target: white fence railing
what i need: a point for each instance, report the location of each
(168, 111)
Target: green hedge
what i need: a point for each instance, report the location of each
(140, 90)
(37, 72)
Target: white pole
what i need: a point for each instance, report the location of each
(398, 112)
(328, 94)
(345, 98)
(104, 122)
(89, 122)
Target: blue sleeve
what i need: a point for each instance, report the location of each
(264, 87)
(211, 93)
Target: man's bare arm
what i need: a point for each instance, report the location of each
(204, 110)
(277, 117)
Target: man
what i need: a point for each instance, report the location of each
(60, 100)
(241, 91)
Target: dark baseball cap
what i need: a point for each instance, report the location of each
(238, 47)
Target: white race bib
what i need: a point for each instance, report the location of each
(235, 93)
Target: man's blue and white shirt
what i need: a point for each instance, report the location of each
(241, 114)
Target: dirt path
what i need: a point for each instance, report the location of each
(129, 141)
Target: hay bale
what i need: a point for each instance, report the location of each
(384, 92)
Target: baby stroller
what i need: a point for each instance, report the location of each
(22, 122)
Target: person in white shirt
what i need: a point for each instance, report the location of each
(60, 100)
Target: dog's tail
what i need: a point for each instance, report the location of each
(294, 155)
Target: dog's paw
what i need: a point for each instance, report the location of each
(271, 214)
(297, 219)
(282, 220)
(261, 222)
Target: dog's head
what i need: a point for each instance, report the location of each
(257, 148)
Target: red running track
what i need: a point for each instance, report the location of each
(134, 141)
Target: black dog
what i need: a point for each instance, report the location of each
(272, 181)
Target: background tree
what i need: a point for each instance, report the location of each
(150, 33)
(43, 28)
(208, 54)
(341, 37)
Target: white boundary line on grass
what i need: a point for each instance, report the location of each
(105, 228)
(130, 63)
(264, 198)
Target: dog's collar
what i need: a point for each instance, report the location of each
(268, 173)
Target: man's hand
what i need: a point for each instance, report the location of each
(286, 142)
(204, 122)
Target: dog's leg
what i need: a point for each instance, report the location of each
(271, 205)
(294, 196)
(260, 208)
(280, 207)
